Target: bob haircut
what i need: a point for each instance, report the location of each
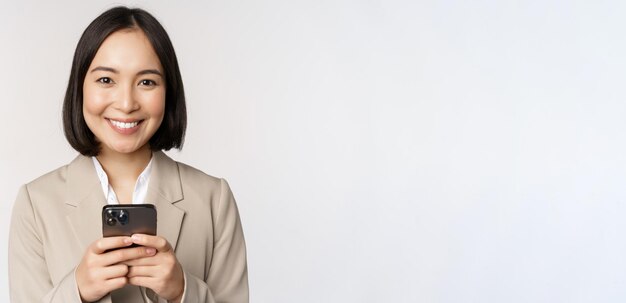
(171, 132)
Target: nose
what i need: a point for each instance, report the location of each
(126, 101)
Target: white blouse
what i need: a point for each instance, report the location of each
(141, 186)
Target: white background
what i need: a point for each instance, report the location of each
(379, 151)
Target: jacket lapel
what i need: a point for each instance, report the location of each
(164, 189)
(84, 192)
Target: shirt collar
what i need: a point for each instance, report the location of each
(141, 186)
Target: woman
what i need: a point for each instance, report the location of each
(125, 104)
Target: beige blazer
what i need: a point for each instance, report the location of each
(56, 217)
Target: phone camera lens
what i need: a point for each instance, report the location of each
(111, 221)
(122, 217)
(110, 214)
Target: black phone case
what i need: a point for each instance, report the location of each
(140, 219)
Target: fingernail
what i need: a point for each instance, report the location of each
(150, 251)
(128, 241)
(136, 238)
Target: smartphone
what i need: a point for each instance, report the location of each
(128, 219)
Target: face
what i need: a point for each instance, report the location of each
(124, 93)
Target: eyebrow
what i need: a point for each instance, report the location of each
(112, 70)
(150, 71)
(106, 69)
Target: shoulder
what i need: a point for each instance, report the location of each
(197, 184)
(64, 184)
(190, 174)
(47, 191)
(194, 179)
(170, 171)
(48, 182)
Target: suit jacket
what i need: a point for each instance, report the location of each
(58, 215)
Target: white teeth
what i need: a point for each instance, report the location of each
(119, 124)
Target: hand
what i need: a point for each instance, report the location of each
(101, 272)
(162, 273)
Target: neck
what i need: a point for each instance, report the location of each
(122, 167)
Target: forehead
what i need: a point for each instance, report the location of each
(127, 50)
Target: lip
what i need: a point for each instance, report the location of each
(125, 120)
(125, 131)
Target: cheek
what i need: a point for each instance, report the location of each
(94, 103)
(155, 104)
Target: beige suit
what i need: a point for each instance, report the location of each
(58, 215)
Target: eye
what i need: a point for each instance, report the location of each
(147, 82)
(105, 80)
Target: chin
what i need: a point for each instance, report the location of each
(125, 149)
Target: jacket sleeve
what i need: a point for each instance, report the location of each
(29, 280)
(227, 280)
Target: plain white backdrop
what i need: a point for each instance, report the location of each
(379, 151)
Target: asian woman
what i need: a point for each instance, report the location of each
(124, 106)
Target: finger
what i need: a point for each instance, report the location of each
(115, 283)
(142, 271)
(113, 271)
(104, 244)
(146, 261)
(125, 254)
(147, 282)
(152, 241)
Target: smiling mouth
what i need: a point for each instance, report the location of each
(124, 125)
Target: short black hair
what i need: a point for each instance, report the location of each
(171, 133)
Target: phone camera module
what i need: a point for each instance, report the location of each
(111, 221)
(122, 217)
